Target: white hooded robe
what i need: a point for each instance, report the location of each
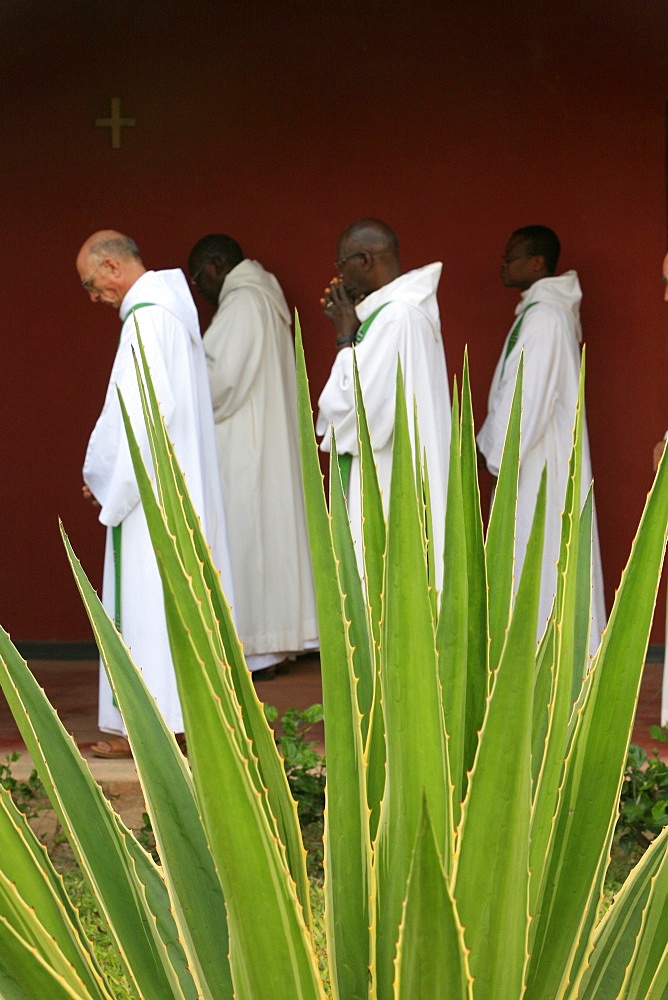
(169, 329)
(251, 363)
(549, 336)
(408, 328)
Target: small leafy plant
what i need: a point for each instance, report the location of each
(24, 793)
(304, 765)
(644, 799)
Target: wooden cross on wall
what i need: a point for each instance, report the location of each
(115, 122)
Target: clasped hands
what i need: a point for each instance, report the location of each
(339, 309)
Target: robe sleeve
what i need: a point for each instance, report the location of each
(388, 338)
(541, 339)
(108, 469)
(234, 350)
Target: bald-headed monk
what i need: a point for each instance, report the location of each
(384, 315)
(112, 272)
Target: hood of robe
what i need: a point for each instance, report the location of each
(417, 288)
(251, 274)
(563, 291)
(168, 289)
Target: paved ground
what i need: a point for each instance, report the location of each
(72, 688)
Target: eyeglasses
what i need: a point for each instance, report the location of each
(193, 280)
(87, 285)
(341, 263)
(520, 256)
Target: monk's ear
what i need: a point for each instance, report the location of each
(366, 260)
(220, 267)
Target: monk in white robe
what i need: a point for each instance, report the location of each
(547, 329)
(112, 273)
(251, 365)
(384, 316)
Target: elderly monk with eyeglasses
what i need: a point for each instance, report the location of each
(111, 271)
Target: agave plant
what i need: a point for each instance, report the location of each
(472, 780)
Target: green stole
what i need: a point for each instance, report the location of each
(514, 334)
(345, 460)
(116, 532)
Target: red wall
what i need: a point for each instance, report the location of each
(280, 123)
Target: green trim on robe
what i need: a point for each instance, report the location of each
(514, 334)
(116, 537)
(345, 460)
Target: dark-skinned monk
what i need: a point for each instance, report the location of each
(251, 368)
(547, 330)
(383, 316)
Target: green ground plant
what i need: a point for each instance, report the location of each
(24, 793)
(304, 765)
(472, 780)
(644, 800)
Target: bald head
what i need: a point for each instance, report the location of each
(374, 235)
(368, 256)
(108, 264)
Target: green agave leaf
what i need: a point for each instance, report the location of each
(477, 680)
(563, 670)
(347, 845)
(27, 872)
(221, 644)
(358, 625)
(373, 519)
(374, 540)
(431, 954)
(630, 942)
(545, 667)
(188, 867)
(240, 826)
(410, 689)
(657, 989)
(492, 862)
(582, 623)
(360, 641)
(587, 808)
(423, 495)
(500, 544)
(452, 628)
(128, 886)
(24, 971)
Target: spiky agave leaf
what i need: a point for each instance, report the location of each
(221, 644)
(130, 890)
(195, 891)
(492, 862)
(347, 843)
(32, 893)
(587, 808)
(417, 764)
(478, 628)
(240, 825)
(630, 944)
(452, 630)
(432, 958)
(500, 541)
